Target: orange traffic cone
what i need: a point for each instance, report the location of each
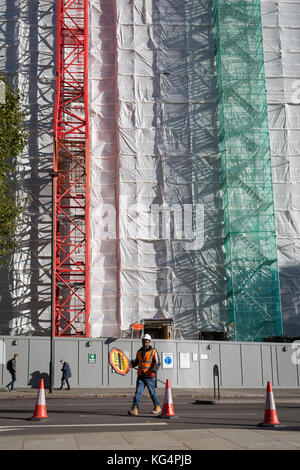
(40, 407)
(168, 409)
(270, 417)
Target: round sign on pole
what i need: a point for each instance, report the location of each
(137, 326)
(119, 361)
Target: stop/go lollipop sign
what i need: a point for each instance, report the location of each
(119, 361)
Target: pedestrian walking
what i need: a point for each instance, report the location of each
(12, 369)
(148, 362)
(66, 374)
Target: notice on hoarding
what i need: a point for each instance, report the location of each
(92, 358)
(184, 360)
(167, 360)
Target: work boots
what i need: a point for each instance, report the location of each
(157, 410)
(134, 411)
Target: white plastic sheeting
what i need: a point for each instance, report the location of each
(103, 105)
(162, 163)
(167, 92)
(281, 33)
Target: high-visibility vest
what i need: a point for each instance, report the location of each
(146, 361)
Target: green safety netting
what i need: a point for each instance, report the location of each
(253, 295)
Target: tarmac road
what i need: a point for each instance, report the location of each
(75, 419)
(92, 414)
(85, 422)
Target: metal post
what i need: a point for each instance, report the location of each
(212, 402)
(216, 374)
(53, 175)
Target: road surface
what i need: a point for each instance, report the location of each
(104, 414)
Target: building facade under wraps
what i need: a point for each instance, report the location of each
(173, 128)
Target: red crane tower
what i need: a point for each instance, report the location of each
(71, 220)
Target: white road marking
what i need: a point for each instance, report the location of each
(21, 427)
(98, 403)
(12, 429)
(216, 415)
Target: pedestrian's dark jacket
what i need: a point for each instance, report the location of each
(12, 366)
(66, 371)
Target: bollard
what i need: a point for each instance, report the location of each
(212, 402)
(216, 374)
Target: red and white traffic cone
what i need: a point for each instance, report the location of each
(40, 411)
(270, 417)
(168, 408)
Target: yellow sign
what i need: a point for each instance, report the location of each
(119, 361)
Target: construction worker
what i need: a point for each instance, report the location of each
(148, 363)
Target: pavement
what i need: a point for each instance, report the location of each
(206, 394)
(158, 441)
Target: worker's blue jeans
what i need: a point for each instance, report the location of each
(141, 383)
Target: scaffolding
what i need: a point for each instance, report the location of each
(253, 296)
(171, 258)
(71, 163)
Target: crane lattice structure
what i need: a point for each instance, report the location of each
(71, 237)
